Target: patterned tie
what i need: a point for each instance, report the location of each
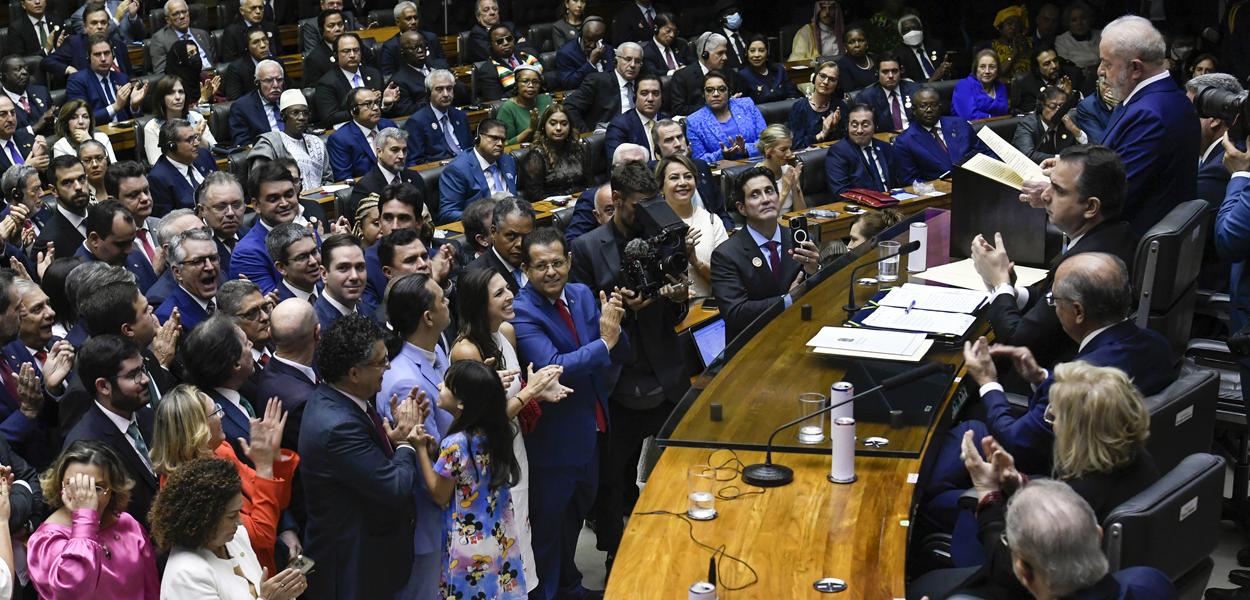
(601, 419)
(379, 430)
(774, 258)
(14, 154)
(24, 102)
(896, 111)
(140, 445)
(356, 80)
(211, 308)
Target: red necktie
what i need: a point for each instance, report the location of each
(601, 419)
(896, 111)
(24, 102)
(10, 383)
(668, 56)
(379, 430)
(774, 259)
(148, 250)
(264, 360)
(41, 356)
(938, 136)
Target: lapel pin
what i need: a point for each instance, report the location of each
(757, 261)
(434, 126)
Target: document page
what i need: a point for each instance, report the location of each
(932, 297)
(964, 275)
(1025, 168)
(867, 340)
(928, 321)
(993, 169)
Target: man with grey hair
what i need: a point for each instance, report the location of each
(20, 184)
(178, 27)
(196, 266)
(439, 130)
(257, 112)
(251, 17)
(487, 15)
(408, 18)
(296, 257)
(78, 287)
(242, 300)
(219, 202)
(172, 224)
(686, 87)
(511, 220)
(603, 96)
(391, 146)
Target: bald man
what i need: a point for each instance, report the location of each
(290, 374)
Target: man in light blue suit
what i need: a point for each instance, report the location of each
(1155, 129)
(439, 130)
(350, 147)
(563, 323)
(860, 160)
(933, 144)
(109, 93)
(477, 174)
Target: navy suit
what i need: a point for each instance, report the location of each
(583, 220)
(285, 292)
(411, 82)
(1232, 242)
(293, 388)
(359, 501)
(40, 101)
(327, 314)
(95, 425)
(32, 438)
(743, 283)
(375, 285)
(920, 157)
(247, 119)
(60, 232)
(162, 288)
(350, 154)
(847, 167)
(85, 85)
(572, 65)
(170, 187)
(24, 141)
(136, 263)
(1213, 177)
(251, 258)
(392, 56)
(564, 468)
(1156, 134)
(463, 181)
(235, 423)
(73, 53)
(189, 310)
(426, 140)
(627, 128)
(875, 96)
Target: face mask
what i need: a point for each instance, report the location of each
(913, 38)
(733, 21)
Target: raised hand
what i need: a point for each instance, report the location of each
(59, 364)
(79, 493)
(405, 416)
(440, 263)
(165, 344)
(286, 585)
(29, 391)
(978, 361)
(610, 313)
(808, 255)
(991, 261)
(545, 383)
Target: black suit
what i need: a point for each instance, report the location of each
(374, 182)
(598, 100)
(1036, 327)
(479, 43)
(78, 398)
(743, 283)
(1026, 90)
(685, 89)
(24, 140)
(317, 63)
(39, 100)
(334, 94)
(912, 70)
(630, 25)
(653, 60)
(234, 39)
(734, 60)
(23, 40)
(411, 82)
(25, 504)
(293, 388)
(95, 425)
(60, 232)
(489, 260)
(240, 78)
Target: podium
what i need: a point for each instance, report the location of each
(980, 205)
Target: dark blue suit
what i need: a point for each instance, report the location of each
(426, 141)
(32, 438)
(920, 157)
(463, 181)
(1232, 243)
(350, 154)
(235, 423)
(583, 220)
(846, 167)
(251, 258)
(95, 425)
(563, 446)
(293, 388)
(189, 309)
(1156, 134)
(327, 314)
(875, 96)
(1213, 177)
(359, 502)
(572, 65)
(170, 188)
(73, 53)
(392, 55)
(136, 263)
(247, 119)
(1133, 583)
(1092, 116)
(285, 292)
(375, 286)
(627, 128)
(40, 101)
(162, 289)
(85, 85)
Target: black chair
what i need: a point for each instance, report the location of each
(215, 36)
(539, 36)
(1165, 272)
(58, 97)
(945, 89)
(812, 181)
(219, 123)
(548, 61)
(310, 94)
(1182, 417)
(384, 17)
(777, 111)
(37, 74)
(199, 16)
(141, 139)
(238, 165)
(597, 153)
(429, 179)
(462, 48)
(1005, 128)
(786, 38)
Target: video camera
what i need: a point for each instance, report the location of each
(1213, 102)
(659, 252)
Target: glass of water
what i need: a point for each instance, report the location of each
(702, 480)
(887, 268)
(812, 431)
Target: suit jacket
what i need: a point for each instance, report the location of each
(40, 101)
(1156, 135)
(85, 85)
(310, 35)
(1232, 242)
(33, 438)
(629, 24)
(251, 258)
(653, 60)
(327, 314)
(374, 182)
(463, 181)
(572, 65)
(23, 40)
(920, 157)
(1213, 177)
(478, 46)
(235, 423)
(294, 389)
(234, 39)
(161, 288)
(78, 399)
(333, 90)
(932, 48)
(846, 167)
(189, 310)
(25, 502)
(350, 154)
(317, 62)
(412, 92)
(565, 435)
(392, 57)
(743, 283)
(488, 80)
(247, 119)
(1035, 141)
(361, 554)
(60, 232)
(131, 28)
(491, 262)
(24, 140)
(73, 53)
(170, 187)
(1026, 89)
(95, 425)
(1036, 326)
(598, 100)
(426, 141)
(774, 87)
(875, 96)
(164, 39)
(627, 128)
(1092, 116)
(136, 263)
(239, 79)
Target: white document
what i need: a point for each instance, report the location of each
(932, 297)
(963, 274)
(333, 187)
(928, 321)
(1025, 168)
(870, 343)
(994, 169)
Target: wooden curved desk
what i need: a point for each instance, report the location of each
(793, 535)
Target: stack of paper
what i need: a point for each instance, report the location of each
(927, 297)
(869, 343)
(926, 321)
(964, 274)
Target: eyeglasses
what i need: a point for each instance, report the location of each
(370, 104)
(221, 209)
(823, 78)
(217, 411)
(136, 376)
(304, 257)
(201, 261)
(255, 314)
(1051, 299)
(1054, 106)
(716, 90)
(504, 41)
(99, 489)
(1048, 416)
(558, 265)
(272, 80)
(192, 139)
(527, 82)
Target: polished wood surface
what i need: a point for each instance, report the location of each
(840, 226)
(121, 137)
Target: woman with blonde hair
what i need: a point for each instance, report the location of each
(776, 145)
(188, 427)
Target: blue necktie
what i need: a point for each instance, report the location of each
(14, 154)
(452, 144)
(277, 117)
(108, 89)
(925, 65)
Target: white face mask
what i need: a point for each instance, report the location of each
(913, 38)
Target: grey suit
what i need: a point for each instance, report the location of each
(164, 39)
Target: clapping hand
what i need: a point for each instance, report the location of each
(1023, 361)
(266, 444)
(829, 122)
(390, 95)
(59, 364)
(979, 362)
(6, 484)
(996, 474)
(545, 383)
(611, 311)
(288, 584)
(406, 415)
(991, 261)
(340, 225)
(165, 344)
(29, 391)
(440, 263)
(736, 148)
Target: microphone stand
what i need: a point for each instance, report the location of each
(851, 307)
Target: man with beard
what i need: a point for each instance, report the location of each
(273, 192)
(1026, 90)
(343, 274)
(196, 266)
(32, 100)
(298, 261)
(65, 230)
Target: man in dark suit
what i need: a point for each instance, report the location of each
(392, 146)
(181, 169)
(603, 96)
(234, 40)
(495, 78)
(583, 55)
(112, 369)
(414, 63)
(1213, 176)
(27, 413)
(108, 93)
(131, 28)
(921, 55)
(75, 53)
(65, 229)
(290, 374)
(753, 272)
(178, 27)
(670, 138)
(321, 58)
(127, 182)
(257, 112)
(933, 144)
(861, 161)
(240, 76)
(242, 300)
(351, 148)
(686, 86)
(359, 474)
(19, 146)
(32, 100)
(401, 208)
(297, 261)
(1084, 202)
(272, 191)
(177, 221)
(439, 130)
(344, 274)
(665, 53)
(511, 220)
(487, 15)
(1027, 88)
(312, 30)
(563, 323)
(111, 240)
(890, 98)
(477, 174)
(196, 266)
(729, 18)
(634, 22)
(636, 126)
(25, 496)
(349, 75)
(35, 32)
(216, 358)
(407, 18)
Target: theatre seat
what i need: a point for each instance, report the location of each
(1182, 416)
(777, 111)
(1005, 128)
(1165, 272)
(539, 38)
(429, 179)
(219, 123)
(384, 17)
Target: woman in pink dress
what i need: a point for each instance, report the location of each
(89, 548)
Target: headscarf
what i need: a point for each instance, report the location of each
(1019, 12)
(837, 25)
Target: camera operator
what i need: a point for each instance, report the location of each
(761, 266)
(655, 377)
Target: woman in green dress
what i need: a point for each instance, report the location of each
(520, 112)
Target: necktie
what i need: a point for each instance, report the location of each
(148, 249)
(627, 104)
(356, 80)
(937, 135)
(42, 29)
(873, 167)
(739, 48)
(519, 277)
(247, 407)
(495, 181)
(668, 57)
(212, 308)
(195, 181)
(371, 137)
(379, 430)
(277, 117)
(140, 446)
(601, 419)
(312, 297)
(264, 359)
(452, 144)
(774, 259)
(269, 16)
(10, 382)
(42, 357)
(108, 89)
(512, 62)
(24, 102)
(896, 111)
(14, 154)
(925, 64)
(650, 16)
(651, 137)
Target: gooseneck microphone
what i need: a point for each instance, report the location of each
(851, 307)
(774, 475)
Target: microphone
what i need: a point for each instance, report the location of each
(771, 475)
(851, 307)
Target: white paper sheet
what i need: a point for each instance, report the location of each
(963, 274)
(928, 321)
(932, 297)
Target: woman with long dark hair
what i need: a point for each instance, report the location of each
(168, 100)
(555, 163)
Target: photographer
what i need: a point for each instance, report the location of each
(655, 377)
(1232, 242)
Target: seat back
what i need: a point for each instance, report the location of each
(141, 140)
(1005, 128)
(945, 89)
(429, 179)
(219, 123)
(539, 36)
(215, 37)
(777, 111)
(1172, 525)
(597, 153)
(384, 17)
(1182, 417)
(238, 165)
(462, 48)
(786, 37)
(1165, 271)
(813, 182)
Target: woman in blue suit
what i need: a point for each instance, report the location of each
(723, 119)
(980, 94)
